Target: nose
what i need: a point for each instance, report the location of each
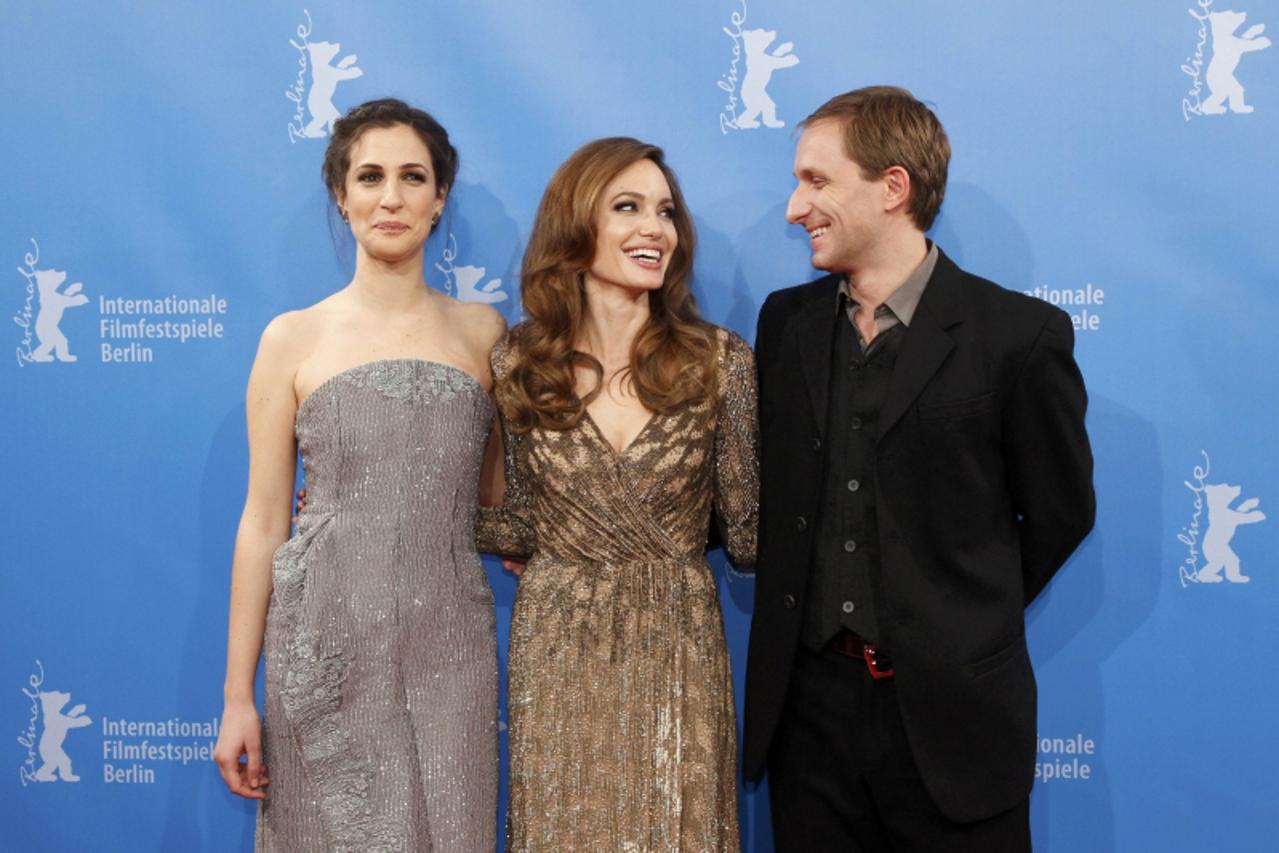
(391, 199)
(650, 224)
(797, 206)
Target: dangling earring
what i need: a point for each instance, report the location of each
(435, 220)
(345, 216)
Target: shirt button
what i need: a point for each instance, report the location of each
(817, 444)
(855, 423)
(850, 546)
(853, 485)
(849, 607)
(789, 601)
(801, 524)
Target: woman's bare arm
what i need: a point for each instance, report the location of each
(270, 406)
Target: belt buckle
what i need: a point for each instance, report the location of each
(878, 670)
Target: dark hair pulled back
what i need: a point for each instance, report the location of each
(387, 112)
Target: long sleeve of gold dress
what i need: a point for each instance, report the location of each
(622, 727)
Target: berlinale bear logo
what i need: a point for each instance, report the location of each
(1209, 557)
(760, 65)
(57, 764)
(52, 303)
(1223, 520)
(45, 759)
(41, 315)
(1227, 50)
(317, 99)
(756, 104)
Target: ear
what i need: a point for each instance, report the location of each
(896, 188)
(441, 197)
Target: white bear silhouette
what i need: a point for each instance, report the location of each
(1227, 49)
(469, 288)
(1222, 521)
(52, 304)
(760, 66)
(57, 764)
(324, 82)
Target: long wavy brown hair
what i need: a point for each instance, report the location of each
(672, 357)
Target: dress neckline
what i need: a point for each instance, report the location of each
(599, 433)
(366, 364)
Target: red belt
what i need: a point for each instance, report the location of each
(877, 660)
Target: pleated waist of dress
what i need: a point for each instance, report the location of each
(661, 575)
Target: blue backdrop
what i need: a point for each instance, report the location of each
(163, 202)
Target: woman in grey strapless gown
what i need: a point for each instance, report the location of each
(375, 618)
(381, 663)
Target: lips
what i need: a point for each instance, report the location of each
(391, 227)
(646, 256)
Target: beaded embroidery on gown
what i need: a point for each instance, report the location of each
(622, 728)
(380, 728)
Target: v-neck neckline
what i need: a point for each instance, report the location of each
(599, 433)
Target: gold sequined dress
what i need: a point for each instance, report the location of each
(622, 728)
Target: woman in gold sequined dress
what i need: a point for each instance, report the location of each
(627, 421)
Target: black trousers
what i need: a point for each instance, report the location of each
(841, 776)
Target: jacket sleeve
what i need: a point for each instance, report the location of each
(1049, 460)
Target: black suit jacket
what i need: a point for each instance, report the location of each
(983, 479)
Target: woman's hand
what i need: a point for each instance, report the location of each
(515, 567)
(241, 734)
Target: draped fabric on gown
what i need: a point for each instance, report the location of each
(622, 726)
(381, 661)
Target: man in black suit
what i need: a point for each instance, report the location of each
(925, 471)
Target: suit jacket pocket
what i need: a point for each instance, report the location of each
(956, 409)
(990, 663)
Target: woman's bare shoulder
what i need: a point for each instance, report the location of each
(292, 334)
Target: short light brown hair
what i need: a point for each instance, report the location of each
(887, 126)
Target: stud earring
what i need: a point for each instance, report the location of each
(345, 216)
(435, 220)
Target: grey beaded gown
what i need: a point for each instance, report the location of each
(380, 728)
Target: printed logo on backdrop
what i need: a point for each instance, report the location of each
(129, 330)
(1067, 759)
(1083, 304)
(1214, 521)
(319, 73)
(1215, 85)
(748, 103)
(467, 282)
(132, 751)
(40, 318)
(44, 739)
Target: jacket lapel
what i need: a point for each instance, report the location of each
(812, 333)
(927, 342)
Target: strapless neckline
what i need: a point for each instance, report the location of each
(368, 365)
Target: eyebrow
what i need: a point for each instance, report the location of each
(369, 164)
(641, 197)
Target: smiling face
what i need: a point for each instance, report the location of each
(390, 195)
(844, 213)
(635, 229)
